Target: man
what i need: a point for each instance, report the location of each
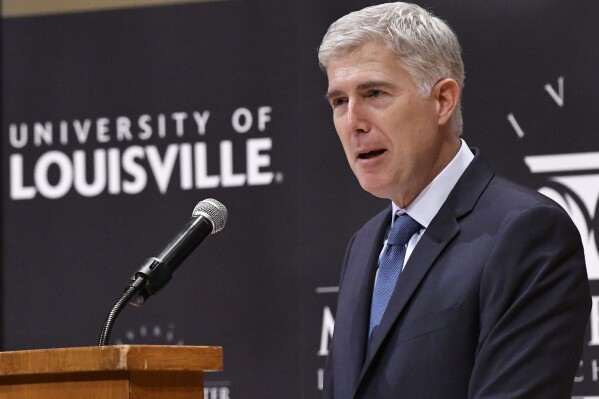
(468, 286)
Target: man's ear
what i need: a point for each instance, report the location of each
(447, 94)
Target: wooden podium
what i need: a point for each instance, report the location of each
(108, 372)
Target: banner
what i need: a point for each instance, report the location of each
(117, 120)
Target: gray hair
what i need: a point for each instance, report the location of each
(424, 44)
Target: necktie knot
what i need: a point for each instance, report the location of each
(403, 229)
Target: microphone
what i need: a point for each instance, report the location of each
(208, 217)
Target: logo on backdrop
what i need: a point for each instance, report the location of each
(327, 327)
(113, 156)
(573, 182)
(156, 334)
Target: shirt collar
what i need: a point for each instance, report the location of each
(426, 205)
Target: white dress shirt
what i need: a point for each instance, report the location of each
(426, 205)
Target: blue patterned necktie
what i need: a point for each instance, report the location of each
(390, 265)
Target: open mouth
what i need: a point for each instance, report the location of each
(371, 154)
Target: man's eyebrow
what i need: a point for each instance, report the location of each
(373, 84)
(332, 94)
(362, 86)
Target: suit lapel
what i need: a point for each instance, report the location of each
(443, 228)
(354, 301)
(428, 249)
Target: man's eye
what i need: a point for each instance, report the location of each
(376, 93)
(338, 101)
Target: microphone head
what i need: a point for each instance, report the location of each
(213, 211)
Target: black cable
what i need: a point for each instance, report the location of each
(116, 309)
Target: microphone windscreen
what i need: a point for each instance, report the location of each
(214, 211)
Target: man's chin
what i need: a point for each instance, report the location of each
(376, 188)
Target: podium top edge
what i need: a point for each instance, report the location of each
(111, 358)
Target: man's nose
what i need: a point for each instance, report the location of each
(356, 116)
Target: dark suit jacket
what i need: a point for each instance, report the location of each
(493, 302)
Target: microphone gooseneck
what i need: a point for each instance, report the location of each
(208, 217)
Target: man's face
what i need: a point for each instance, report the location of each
(390, 133)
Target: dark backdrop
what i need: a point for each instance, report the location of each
(263, 288)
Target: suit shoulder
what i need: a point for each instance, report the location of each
(503, 202)
(505, 193)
